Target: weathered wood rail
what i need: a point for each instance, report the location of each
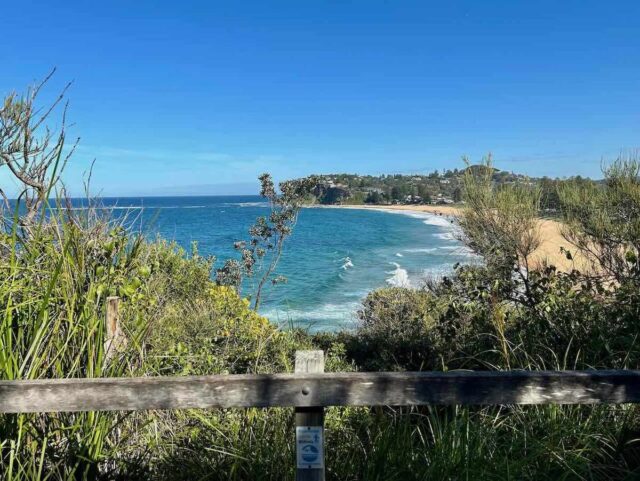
(321, 389)
(309, 390)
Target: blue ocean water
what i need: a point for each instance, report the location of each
(334, 258)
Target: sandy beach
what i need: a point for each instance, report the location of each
(550, 232)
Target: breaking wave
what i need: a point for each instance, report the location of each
(399, 276)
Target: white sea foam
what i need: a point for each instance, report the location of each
(110, 207)
(251, 204)
(448, 230)
(165, 207)
(399, 255)
(422, 249)
(446, 236)
(456, 250)
(399, 276)
(329, 315)
(438, 221)
(243, 204)
(142, 207)
(347, 263)
(427, 217)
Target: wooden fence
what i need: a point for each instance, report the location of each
(321, 389)
(309, 390)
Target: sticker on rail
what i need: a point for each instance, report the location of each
(309, 447)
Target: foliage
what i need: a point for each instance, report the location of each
(603, 222)
(52, 298)
(31, 152)
(500, 224)
(392, 331)
(261, 253)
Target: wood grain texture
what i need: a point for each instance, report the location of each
(329, 389)
(115, 339)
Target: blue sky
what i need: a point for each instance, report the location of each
(201, 96)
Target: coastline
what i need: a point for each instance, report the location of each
(550, 231)
(442, 210)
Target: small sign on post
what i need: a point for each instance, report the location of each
(309, 447)
(309, 424)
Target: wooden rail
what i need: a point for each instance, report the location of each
(321, 389)
(309, 390)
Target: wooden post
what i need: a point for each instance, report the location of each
(114, 337)
(309, 423)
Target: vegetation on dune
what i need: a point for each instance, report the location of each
(181, 316)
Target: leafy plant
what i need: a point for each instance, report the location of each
(261, 253)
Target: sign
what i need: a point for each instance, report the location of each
(309, 447)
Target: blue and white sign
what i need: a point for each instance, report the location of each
(309, 447)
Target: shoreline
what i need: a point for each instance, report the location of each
(551, 239)
(440, 210)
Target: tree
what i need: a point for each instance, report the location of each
(373, 197)
(262, 252)
(30, 150)
(603, 221)
(501, 224)
(457, 194)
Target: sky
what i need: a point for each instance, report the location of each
(200, 97)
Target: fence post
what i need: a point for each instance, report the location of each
(114, 338)
(309, 424)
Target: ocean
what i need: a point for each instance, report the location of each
(332, 260)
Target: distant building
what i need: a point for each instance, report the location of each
(413, 199)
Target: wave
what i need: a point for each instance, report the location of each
(242, 204)
(113, 207)
(423, 249)
(444, 250)
(329, 316)
(163, 207)
(251, 204)
(347, 263)
(449, 228)
(450, 236)
(399, 276)
(399, 255)
(438, 221)
(426, 217)
(141, 207)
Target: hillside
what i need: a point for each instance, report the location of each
(435, 188)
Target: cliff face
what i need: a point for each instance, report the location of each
(331, 194)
